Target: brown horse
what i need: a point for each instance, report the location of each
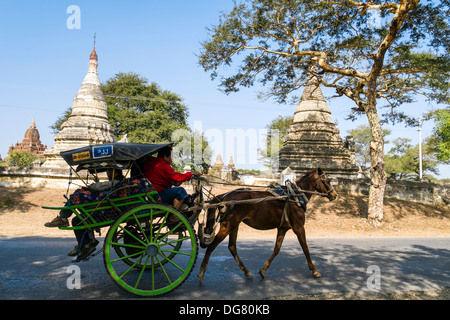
(269, 213)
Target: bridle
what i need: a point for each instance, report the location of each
(328, 186)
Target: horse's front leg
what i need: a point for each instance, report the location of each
(300, 232)
(233, 249)
(222, 234)
(279, 241)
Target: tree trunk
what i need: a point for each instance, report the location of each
(377, 173)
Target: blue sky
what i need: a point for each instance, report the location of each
(43, 62)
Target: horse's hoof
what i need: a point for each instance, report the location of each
(248, 274)
(262, 272)
(316, 274)
(200, 278)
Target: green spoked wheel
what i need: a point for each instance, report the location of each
(128, 243)
(150, 250)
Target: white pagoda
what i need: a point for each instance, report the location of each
(88, 123)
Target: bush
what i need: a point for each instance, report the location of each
(20, 159)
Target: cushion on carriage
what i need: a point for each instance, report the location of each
(127, 187)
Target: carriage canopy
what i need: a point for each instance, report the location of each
(118, 155)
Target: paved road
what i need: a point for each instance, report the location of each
(37, 268)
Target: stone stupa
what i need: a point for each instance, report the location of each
(313, 139)
(88, 123)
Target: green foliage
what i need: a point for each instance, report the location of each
(249, 171)
(441, 139)
(56, 127)
(402, 161)
(7, 202)
(190, 149)
(362, 136)
(278, 128)
(277, 132)
(20, 159)
(403, 50)
(143, 111)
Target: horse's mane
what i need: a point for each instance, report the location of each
(305, 177)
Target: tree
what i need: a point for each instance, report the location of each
(56, 127)
(362, 136)
(367, 51)
(20, 159)
(143, 111)
(402, 161)
(441, 140)
(191, 149)
(277, 131)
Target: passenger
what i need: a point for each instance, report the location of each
(159, 172)
(62, 219)
(84, 237)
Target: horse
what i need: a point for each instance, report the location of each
(269, 212)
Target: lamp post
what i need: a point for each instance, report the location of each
(420, 149)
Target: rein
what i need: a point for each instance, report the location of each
(261, 186)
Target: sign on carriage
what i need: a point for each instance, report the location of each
(102, 151)
(81, 156)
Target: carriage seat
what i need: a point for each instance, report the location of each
(128, 187)
(103, 211)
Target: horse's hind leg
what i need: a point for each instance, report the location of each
(280, 237)
(233, 250)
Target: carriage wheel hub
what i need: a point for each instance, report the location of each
(152, 250)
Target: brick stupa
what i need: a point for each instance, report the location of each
(31, 142)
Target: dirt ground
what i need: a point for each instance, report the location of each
(22, 215)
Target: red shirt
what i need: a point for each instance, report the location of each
(162, 175)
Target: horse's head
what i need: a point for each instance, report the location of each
(323, 185)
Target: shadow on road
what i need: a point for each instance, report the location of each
(37, 268)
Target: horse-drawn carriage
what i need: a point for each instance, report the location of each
(151, 248)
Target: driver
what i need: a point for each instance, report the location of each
(159, 172)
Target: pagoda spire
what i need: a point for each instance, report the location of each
(90, 94)
(93, 59)
(312, 89)
(312, 105)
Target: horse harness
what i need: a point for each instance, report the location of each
(296, 195)
(292, 194)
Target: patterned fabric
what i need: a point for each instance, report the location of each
(85, 195)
